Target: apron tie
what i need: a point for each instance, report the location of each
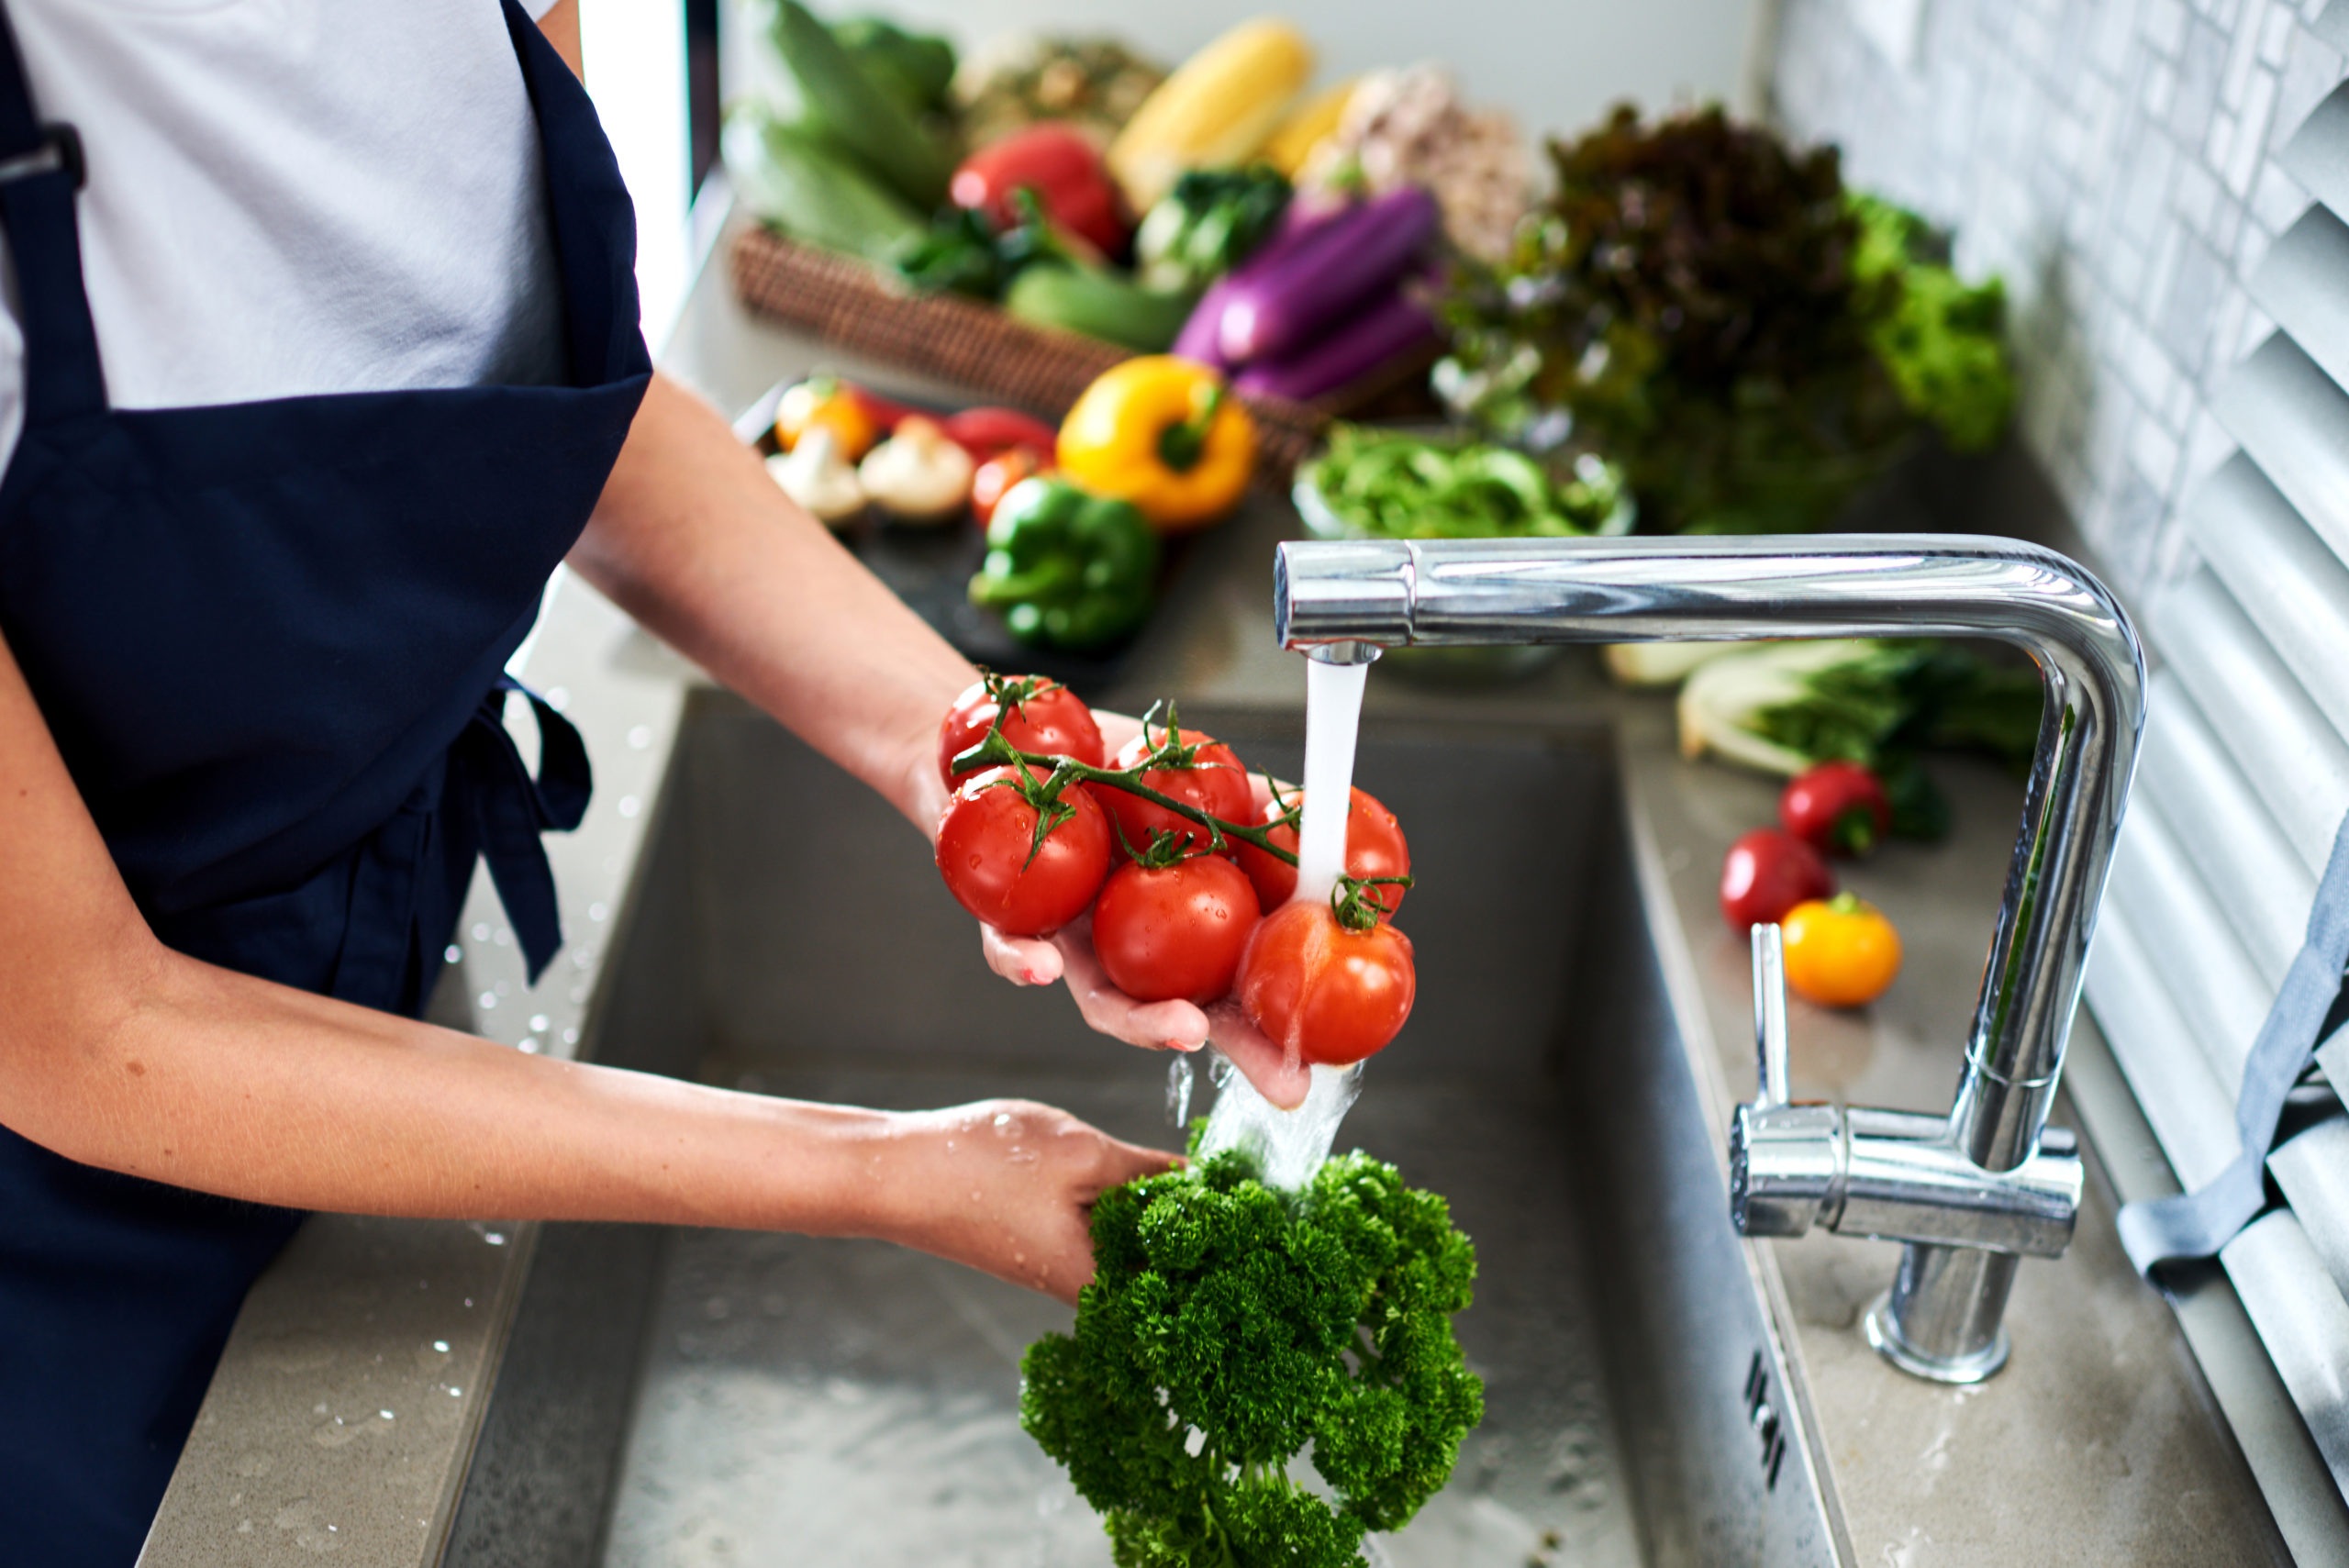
(511, 809)
(2198, 1224)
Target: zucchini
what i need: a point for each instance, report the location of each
(798, 182)
(844, 104)
(1100, 304)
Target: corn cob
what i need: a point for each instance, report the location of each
(1217, 108)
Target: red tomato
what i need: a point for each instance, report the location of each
(1040, 715)
(1375, 847)
(999, 475)
(1767, 873)
(988, 855)
(1178, 931)
(1838, 808)
(1215, 783)
(1324, 993)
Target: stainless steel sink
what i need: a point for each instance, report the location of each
(694, 1398)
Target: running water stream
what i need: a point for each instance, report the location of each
(1291, 1144)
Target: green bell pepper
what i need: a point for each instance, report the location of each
(1068, 569)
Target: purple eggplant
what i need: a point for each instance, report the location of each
(1198, 339)
(1383, 330)
(1288, 296)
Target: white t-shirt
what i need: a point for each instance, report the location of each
(296, 196)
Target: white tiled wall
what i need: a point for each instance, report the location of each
(2115, 160)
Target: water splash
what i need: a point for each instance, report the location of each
(1288, 1145)
(1179, 1079)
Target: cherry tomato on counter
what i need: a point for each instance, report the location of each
(1767, 873)
(1836, 808)
(1212, 781)
(998, 473)
(1039, 716)
(988, 853)
(1165, 932)
(1840, 952)
(1326, 992)
(1374, 847)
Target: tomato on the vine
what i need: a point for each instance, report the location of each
(1374, 847)
(1174, 931)
(1039, 716)
(1208, 778)
(998, 868)
(1327, 990)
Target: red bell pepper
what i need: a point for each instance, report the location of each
(1062, 167)
(1838, 808)
(982, 432)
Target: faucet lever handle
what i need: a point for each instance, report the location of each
(1770, 1016)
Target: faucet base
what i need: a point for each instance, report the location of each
(1884, 1334)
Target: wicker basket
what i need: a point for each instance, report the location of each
(841, 300)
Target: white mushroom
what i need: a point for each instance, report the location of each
(918, 474)
(815, 475)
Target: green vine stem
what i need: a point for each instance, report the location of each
(998, 752)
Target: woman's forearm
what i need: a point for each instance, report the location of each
(212, 1080)
(694, 539)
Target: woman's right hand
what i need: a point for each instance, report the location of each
(1005, 1186)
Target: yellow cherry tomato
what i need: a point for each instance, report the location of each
(823, 403)
(1165, 434)
(1841, 952)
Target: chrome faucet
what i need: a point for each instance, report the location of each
(1973, 1191)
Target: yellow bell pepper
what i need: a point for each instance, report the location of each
(1165, 434)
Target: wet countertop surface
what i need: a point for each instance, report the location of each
(346, 1405)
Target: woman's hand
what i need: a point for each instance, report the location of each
(1005, 1186)
(1154, 1025)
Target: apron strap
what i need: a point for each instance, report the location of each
(2198, 1224)
(40, 170)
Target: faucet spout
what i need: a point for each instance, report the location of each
(1455, 592)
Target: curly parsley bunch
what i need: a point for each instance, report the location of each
(1231, 1324)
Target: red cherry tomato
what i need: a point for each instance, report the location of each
(1838, 808)
(988, 854)
(1325, 995)
(1214, 783)
(1767, 873)
(996, 476)
(1375, 847)
(1039, 716)
(1176, 931)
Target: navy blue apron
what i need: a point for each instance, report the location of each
(269, 639)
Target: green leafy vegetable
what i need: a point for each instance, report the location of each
(1231, 1325)
(1211, 221)
(1380, 484)
(1711, 310)
(1881, 704)
(1943, 341)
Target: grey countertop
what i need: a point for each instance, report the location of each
(344, 1411)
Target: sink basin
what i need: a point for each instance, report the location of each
(702, 1398)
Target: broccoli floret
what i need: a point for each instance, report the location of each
(1230, 1324)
